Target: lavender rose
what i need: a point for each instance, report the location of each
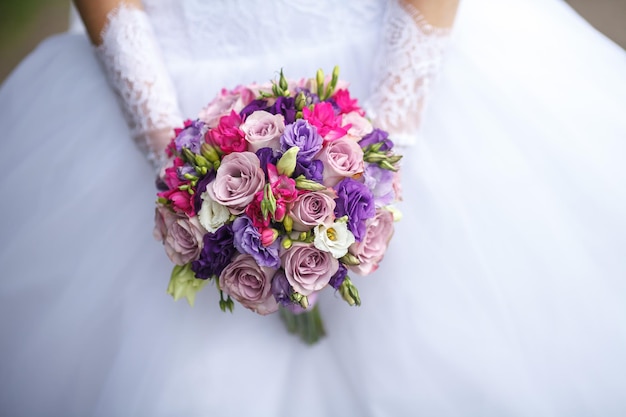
(238, 179)
(248, 240)
(181, 235)
(372, 248)
(263, 129)
(311, 209)
(305, 137)
(307, 268)
(341, 158)
(216, 253)
(356, 201)
(249, 284)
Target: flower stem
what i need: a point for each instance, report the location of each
(308, 324)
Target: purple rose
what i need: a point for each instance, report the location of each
(377, 136)
(304, 136)
(191, 137)
(311, 209)
(249, 284)
(313, 170)
(307, 268)
(237, 180)
(181, 235)
(217, 252)
(356, 201)
(248, 240)
(281, 289)
(380, 181)
(337, 279)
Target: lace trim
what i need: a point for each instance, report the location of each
(134, 65)
(409, 60)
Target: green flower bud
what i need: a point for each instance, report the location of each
(300, 101)
(183, 283)
(287, 243)
(319, 79)
(210, 153)
(349, 292)
(288, 224)
(309, 185)
(287, 163)
(282, 81)
(349, 259)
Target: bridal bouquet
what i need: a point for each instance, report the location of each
(274, 193)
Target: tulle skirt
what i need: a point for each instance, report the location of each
(502, 293)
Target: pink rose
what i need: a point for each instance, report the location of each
(311, 209)
(182, 236)
(263, 130)
(307, 268)
(359, 125)
(227, 136)
(372, 248)
(341, 158)
(237, 180)
(249, 284)
(225, 102)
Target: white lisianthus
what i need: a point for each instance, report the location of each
(335, 238)
(212, 215)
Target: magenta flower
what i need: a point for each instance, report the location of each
(345, 103)
(328, 124)
(227, 136)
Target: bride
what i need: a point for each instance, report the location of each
(502, 293)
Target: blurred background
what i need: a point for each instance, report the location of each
(24, 23)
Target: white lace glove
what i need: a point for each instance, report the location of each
(409, 58)
(135, 68)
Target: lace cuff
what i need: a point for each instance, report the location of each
(409, 59)
(135, 68)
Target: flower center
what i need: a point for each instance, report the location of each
(332, 235)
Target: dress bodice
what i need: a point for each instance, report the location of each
(222, 29)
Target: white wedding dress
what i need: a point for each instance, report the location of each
(504, 289)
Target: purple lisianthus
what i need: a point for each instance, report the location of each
(281, 289)
(377, 136)
(216, 254)
(254, 105)
(248, 240)
(285, 106)
(380, 182)
(304, 136)
(266, 156)
(200, 188)
(356, 201)
(191, 137)
(337, 279)
(312, 170)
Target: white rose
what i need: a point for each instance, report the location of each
(263, 130)
(360, 125)
(335, 238)
(212, 215)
